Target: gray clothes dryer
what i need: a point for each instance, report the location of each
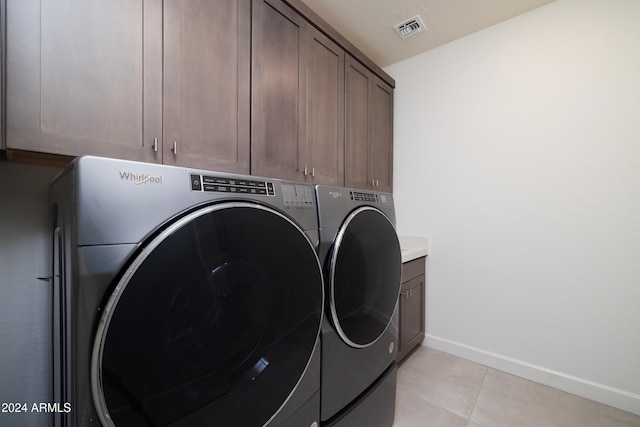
(360, 253)
(184, 297)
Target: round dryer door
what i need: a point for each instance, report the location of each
(365, 272)
(213, 323)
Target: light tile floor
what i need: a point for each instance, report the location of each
(436, 389)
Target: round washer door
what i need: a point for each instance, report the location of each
(213, 323)
(365, 274)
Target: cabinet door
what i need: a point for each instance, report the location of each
(411, 307)
(278, 103)
(78, 75)
(382, 135)
(206, 84)
(357, 124)
(413, 313)
(369, 129)
(324, 110)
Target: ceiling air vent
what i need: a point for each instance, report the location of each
(409, 27)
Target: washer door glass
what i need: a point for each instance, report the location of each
(365, 270)
(213, 323)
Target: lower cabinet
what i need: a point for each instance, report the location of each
(411, 307)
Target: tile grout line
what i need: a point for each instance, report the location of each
(475, 402)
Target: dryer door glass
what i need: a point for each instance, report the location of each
(365, 270)
(213, 323)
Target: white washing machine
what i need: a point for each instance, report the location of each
(184, 297)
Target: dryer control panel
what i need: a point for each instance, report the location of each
(231, 185)
(362, 196)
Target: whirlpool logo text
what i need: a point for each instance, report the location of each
(140, 178)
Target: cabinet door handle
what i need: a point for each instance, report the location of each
(155, 144)
(175, 148)
(306, 171)
(313, 171)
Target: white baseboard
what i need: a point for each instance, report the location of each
(611, 396)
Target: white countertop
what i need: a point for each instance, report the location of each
(413, 247)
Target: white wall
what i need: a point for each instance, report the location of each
(518, 155)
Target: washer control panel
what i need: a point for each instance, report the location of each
(297, 194)
(231, 185)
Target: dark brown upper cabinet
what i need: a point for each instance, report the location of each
(369, 129)
(298, 98)
(78, 77)
(94, 77)
(207, 68)
(249, 86)
(325, 109)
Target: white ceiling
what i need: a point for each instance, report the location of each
(368, 24)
